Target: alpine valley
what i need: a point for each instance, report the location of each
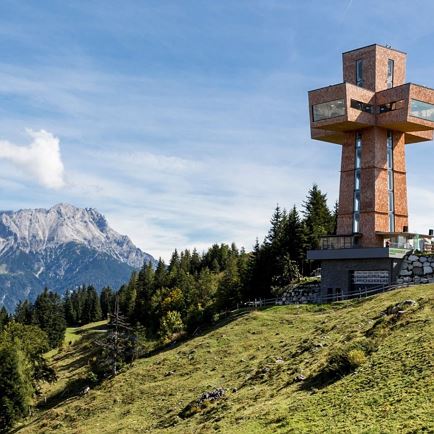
(61, 248)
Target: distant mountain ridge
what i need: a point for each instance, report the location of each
(60, 248)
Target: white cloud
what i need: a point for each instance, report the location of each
(40, 160)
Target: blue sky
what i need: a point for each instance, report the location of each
(185, 122)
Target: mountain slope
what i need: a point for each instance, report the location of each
(60, 248)
(258, 358)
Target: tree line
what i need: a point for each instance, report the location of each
(193, 289)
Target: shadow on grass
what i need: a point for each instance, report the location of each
(83, 350)
(73, 389)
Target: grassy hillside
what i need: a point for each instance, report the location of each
(338, 368)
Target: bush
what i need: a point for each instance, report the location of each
(342, 361)
(348, 358)
(170, 325)
(356, 358)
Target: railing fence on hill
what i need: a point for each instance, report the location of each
(365, 293)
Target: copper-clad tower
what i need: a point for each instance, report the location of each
(373, 114)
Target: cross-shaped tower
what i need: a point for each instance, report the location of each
(373, 114)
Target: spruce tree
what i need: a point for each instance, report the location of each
(335, 217)
(49, 315)
(70, 314)
(229, 290)
(195, 263)
(294, 237)
(106, 300)
(24, 312)
(92, 309)
(318, 219)
(4, 317)
(160, 279)
(128, 295)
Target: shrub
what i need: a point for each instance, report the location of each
(170, 325)
(342, 361)
(356, 358)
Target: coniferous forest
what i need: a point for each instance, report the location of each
(173, 300)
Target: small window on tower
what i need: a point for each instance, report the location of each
(359, 72)
(390, 68)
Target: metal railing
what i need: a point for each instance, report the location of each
(365, 293)
(332, 242)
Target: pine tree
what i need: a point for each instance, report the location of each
(106, 300)
(174, 262)
(145, 290)
(70, 314)
(160, 279)
(335, 217)
(184, 262)
(24, 312)
(195, 263)
(128, 295)
(49, 315)
(317, 217)
(15, 386)
(275, 230)
(92, 308)
(4, 318)
(229, 290)
(294, 237)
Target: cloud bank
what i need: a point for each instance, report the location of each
(41, 160)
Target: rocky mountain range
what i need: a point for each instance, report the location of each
(61, 248)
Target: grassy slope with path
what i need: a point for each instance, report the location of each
(259, 354)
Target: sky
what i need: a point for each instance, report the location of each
(186, 122)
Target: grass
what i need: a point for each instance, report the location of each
(73, 334)
(341, 368)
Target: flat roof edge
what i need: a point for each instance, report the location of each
(375, 45)
(357, 253)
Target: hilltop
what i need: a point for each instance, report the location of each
(356, 366)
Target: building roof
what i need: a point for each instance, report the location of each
(373, 45)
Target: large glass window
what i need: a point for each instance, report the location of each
(357, 181)
(423, 110)
(390, 68)
(359, 72)
(327, 110)
(391, 199)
